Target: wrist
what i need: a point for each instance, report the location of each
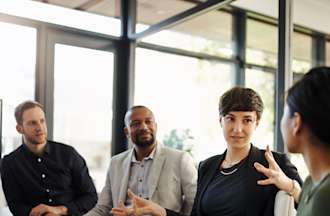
(292, 188)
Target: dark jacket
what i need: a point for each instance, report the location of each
(259, 199)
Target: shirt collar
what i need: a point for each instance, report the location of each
(150, 157)
(28, 151)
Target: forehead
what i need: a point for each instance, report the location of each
(33, 114)
(141, 113)
(243, 114)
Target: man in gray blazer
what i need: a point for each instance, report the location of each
(166, 176)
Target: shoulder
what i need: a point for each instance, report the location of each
(13, 156)
(322, 194)
(211, 160)
(174, 155)
(259, 154)
(121, 156)
(60, 146)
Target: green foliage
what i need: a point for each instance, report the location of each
(179, 139)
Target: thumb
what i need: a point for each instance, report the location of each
(121, 204)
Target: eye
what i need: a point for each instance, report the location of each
(135, 124)
(229, 118)
(247, 121)
(149, 122)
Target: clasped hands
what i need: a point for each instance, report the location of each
(140, 207)
(46, 210)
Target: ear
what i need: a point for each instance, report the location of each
(296, 123)
(19, 128)
(126, 132)
(220, 120)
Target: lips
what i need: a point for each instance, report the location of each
(236, 137)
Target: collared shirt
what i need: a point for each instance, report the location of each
(57, 177)
(139, 179)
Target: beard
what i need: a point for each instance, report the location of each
(35, 140)
(141, 142)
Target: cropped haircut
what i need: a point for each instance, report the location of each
(22, 107)
(129, 113)
(241, 99)
(310, 97)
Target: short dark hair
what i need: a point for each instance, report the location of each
(240, 99)
(310, 98)
(130, 110)
(22, 107)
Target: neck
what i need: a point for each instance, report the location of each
(235, 155)
(142, 152)
(37, 149)
(318, 162)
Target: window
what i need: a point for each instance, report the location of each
(150, 12)
(263, 83)
(302, 52)
(203, 34)
(183, 93)
(18, 60)
(83, 105)
(262, 43)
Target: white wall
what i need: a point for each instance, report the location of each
(313, 14)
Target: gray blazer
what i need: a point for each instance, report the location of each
(173, 186)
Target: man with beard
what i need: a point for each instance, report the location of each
(166, 176)
(42, 177)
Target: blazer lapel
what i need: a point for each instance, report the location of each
(126, 172)
(253, 190)
(214, 166)
(156, 169)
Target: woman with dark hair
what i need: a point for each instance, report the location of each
(230, 184)
(305, 129)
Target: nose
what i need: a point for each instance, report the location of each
(39, 127)
(238, 127)
(143, 126)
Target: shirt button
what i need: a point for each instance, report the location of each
(43, 176)
(39, 160)
(140, 179)
(50, 200)
(142, 165)
(47, 190)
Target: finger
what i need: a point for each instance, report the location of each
(118, 211)
(121, 204)
(270, 159)
(260, 168)
(131, 194)
(265, 182)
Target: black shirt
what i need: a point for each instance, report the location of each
(58, 177)
(223, 195)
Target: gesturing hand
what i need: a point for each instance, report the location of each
(274, 173)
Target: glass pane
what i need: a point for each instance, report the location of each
(261, 42)
(183, 93)
(18, 60)
(263, 83)
(302, 52)
(202, 34)
(150, 12)
(328, 54)
(83, 105)
(51, 12)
